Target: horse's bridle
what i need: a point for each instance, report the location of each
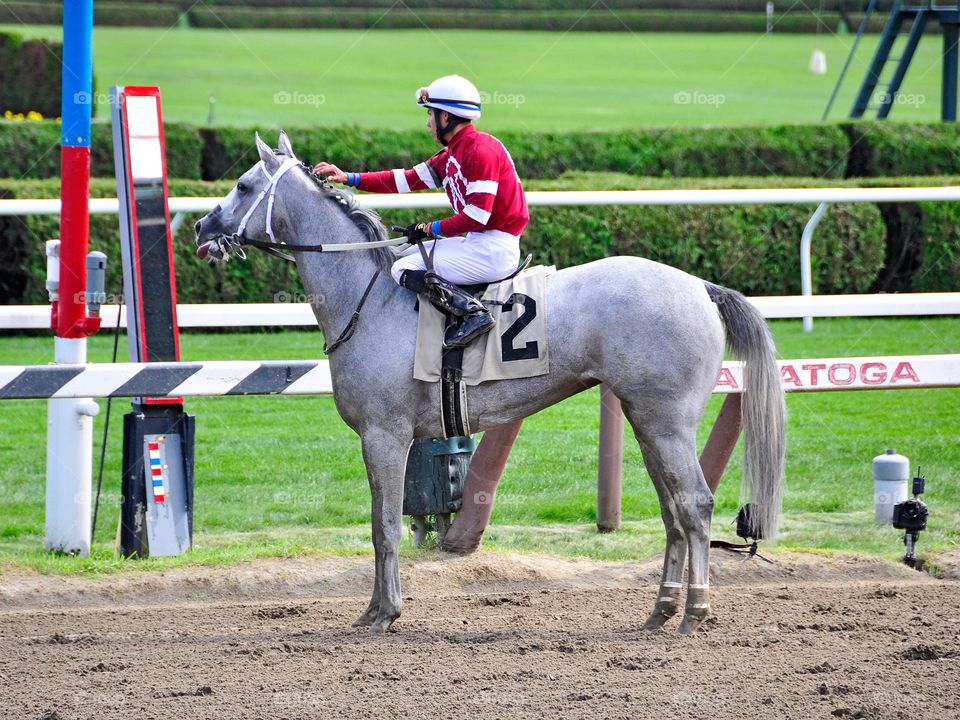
(271, 188)
(228, 245)
(233, 244)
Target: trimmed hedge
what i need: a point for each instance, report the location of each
(562, 15)
(544, 5)
(31, 150)
(30, 75)
(826, 7)
(215, 153)
(849, 6)
(22, 247)
(883, 148)
(129, 14)
(700, 152)
(752, 249)
(923, 246)
(599, 19)
(794, 150)
(228, 152)
(865, 149)
(936, 263)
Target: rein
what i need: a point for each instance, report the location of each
(338, 247)
(354, 319)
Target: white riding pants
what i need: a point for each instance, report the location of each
(476, 258)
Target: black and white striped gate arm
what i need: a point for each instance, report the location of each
(300, 377)
(312, 377)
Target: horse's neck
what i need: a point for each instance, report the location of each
(335, 281)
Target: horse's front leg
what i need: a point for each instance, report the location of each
(385, 455)
(373, 609)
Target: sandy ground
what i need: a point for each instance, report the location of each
(490, 636)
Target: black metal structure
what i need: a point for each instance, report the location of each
(144, 422)
(907, 22)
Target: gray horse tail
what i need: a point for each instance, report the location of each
(764, 409)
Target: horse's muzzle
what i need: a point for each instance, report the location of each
(209, 230)
(209, 250)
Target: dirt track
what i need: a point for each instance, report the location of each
(485, 637)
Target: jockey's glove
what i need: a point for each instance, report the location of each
(417, 231)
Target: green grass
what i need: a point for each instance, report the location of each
(537, 80)
(284, 476)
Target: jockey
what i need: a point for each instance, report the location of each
(481, 240)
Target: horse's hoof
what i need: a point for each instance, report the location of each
(457, 546)
(689, 625)
(656, 621)
(365, 620)
(382, 626)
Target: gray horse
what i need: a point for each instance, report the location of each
(651, 333)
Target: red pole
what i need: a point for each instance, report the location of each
(71, 311)
(610, 463)
(480, 488)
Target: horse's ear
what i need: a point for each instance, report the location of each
(267, 154)
(285, 147)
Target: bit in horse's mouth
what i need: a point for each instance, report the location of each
(219, 248)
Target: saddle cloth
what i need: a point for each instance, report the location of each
(515, 348)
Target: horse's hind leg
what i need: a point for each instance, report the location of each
(674, 558)
(671, 458)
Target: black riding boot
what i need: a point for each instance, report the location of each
(472, 325)
(474, 320)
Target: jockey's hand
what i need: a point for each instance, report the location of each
(417, 231)
(332, 172)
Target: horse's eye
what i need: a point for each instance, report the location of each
(241, 188)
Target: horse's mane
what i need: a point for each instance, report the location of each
(366, 220)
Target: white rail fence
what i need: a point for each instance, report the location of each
(757, 196)
(312, 377)
(292, 311)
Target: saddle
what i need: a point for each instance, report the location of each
(478, 288)
(515, 348)
(453, 405)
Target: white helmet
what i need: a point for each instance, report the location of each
(457, 95)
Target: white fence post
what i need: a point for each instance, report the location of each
(806, 266)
